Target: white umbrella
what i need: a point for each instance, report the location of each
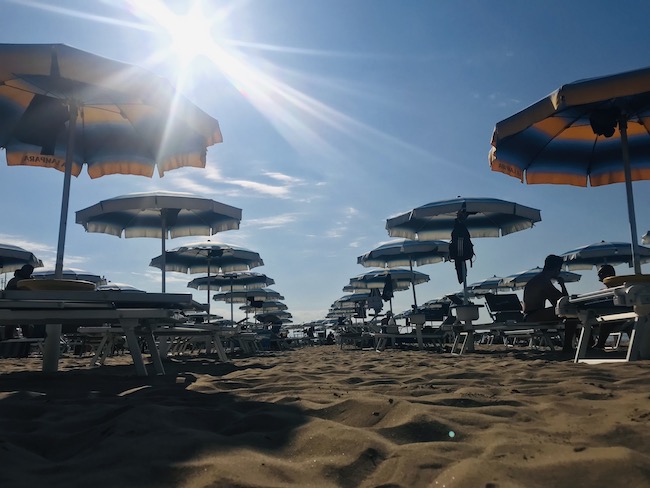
(486, 217)
(405, 253)
(204, 257)
(613, 253)
(519, 280)
(159, 215)
(14, 257)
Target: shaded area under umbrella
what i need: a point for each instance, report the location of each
(159, 215)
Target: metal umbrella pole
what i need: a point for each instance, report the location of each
(622, 124)
(52, 347)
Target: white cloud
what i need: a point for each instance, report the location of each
(271, 222)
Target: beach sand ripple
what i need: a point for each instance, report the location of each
(322, 416)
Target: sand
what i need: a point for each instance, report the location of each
(322, 416)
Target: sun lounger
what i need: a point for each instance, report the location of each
(137, 314)
(612, 305)
(509, 323)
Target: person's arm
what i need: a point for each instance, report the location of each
(560, 282)
(552, 294)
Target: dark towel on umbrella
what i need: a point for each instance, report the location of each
(461, 248)
(387, 293)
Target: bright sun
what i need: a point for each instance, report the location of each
(189, 33)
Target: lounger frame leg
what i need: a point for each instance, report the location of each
(153, 351)
(218, 345)
(52, 348)
(639, 347)
(457, 341)
(588, 320)
(134, 348)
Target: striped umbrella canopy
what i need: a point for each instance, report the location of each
(14, 257)
(351, 300)
(243, 296)
(486, 285)
(204, 257)
(593, 131)
(519, 280)
(488, 217)
(402, 278)
(335, 313)
(360, 287)
(235, 280)
(278, 317)
(599, 253)
(270, 306)
(160, 215)
(64, 108)
(406, 253)
(201, 257)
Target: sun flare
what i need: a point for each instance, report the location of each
(189, 33)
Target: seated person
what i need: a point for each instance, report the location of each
(539, 290)
(24, 273)
(605, 271)
(388, 324)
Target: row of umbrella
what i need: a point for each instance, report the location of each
(235, 285)
(418, 253)
(592, 131)
(581, 258)
(424, 226)
(64, 108)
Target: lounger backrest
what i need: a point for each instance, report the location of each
(504, 307)
(437, 314)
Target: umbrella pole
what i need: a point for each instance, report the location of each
(415, 300)
(622, 124)
(65, 199)
(232, 304)
(164, 237)
(53, 331)
(465, 300)
(208, 288)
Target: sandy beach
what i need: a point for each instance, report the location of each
(322, 416)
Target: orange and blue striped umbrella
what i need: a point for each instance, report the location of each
(64, 108)
(589, 132)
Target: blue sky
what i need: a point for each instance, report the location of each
(336, 115)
